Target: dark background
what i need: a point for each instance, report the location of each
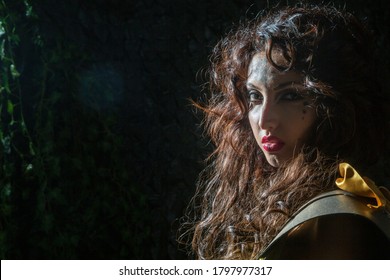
(100, 147)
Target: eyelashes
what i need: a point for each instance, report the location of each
(292, 96)
(255, 97)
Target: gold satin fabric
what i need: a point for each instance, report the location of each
(352, 182)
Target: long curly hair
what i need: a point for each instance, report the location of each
(242, 202)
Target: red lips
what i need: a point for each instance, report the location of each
(272, 143)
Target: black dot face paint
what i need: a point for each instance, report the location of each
(304, 111)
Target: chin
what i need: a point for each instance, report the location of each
(276, 160)
(273, 161)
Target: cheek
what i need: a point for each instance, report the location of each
(305, 109)
(299, 121)
(253, 118)
(295, 115)
(307, 122)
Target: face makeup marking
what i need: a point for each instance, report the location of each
(279, 123)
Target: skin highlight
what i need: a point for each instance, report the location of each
(277, 108)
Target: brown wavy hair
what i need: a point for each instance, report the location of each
(241, 201)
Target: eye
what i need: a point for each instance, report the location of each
(255, 97)
(291, 96)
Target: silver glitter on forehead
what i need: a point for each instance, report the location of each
(263, 69)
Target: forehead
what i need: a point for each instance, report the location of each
(262, 73)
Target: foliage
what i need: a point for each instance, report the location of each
(65, 187)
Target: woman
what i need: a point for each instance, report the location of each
(294, 105)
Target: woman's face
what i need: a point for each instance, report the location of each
(280, 115)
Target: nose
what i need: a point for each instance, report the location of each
(269, 116)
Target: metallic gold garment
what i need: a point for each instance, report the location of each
(350, 223)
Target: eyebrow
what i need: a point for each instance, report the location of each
(278, 87)
(284, 85)
(251, 85)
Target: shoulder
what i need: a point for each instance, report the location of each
(336, 236)
(334, 226)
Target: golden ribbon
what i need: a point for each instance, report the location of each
(352, 182)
